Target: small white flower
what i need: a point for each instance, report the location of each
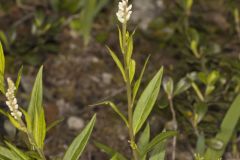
(124, 11)
(12, 101)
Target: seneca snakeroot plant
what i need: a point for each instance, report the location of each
(12, 101)
(32, 122)
(141, 145)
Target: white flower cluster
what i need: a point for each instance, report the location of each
(124, 11)
(12, 101)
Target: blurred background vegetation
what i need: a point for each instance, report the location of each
(197, 41)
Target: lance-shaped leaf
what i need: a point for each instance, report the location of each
(226, 131)
(21, 155)
(115, 108)
(19, 77)
(156, 140)
(138, 82)
(109, 151)
(144, 140)
(7, 154)
(120, 39)
(36, 111)
(159, 151)
(2, 59)
(118, 63)
(2, 68)
(129, 48)
(146, 101)
(79, 143)
(132, 68)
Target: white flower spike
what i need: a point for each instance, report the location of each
(12, 101)
(124, 11)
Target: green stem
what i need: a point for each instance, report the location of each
(198, 92)
(32, 140)
(129, 96)
(174, 119)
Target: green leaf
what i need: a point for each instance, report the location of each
(200, 111)
(39, 127)
(54, 124)
(200, 148)
(2, 60)
(226, 130)
(36, 96)
(158, 139)
(109, 151)
(21, 155)
(168, 86)
(2, 69)
(213, 77)
(181, 86)
(36, 111)
(118, 63)
(6, 154)
(120, 39)
(76, 148)
(115, 108)
(27, 119)
(143, 140)
(19, 77)
(138, 82)
(129, 49)
(15, 123)
(159, 151)
(146, 101)
(132, 68)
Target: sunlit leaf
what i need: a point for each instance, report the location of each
(36, 111)
(19, 77)
(146, 101)
(2, 69)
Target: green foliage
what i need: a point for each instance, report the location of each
(36, 111)
(115, 108)
(35, 127)
(227, 128)
(110, 152)
(146, 101)
(118, 63)
(2, 68)
(76, 148)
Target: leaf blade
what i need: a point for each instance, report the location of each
(75, 149)
(146, 101)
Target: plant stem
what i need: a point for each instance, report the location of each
(174, 119)
(129, 95)
(32, 140)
